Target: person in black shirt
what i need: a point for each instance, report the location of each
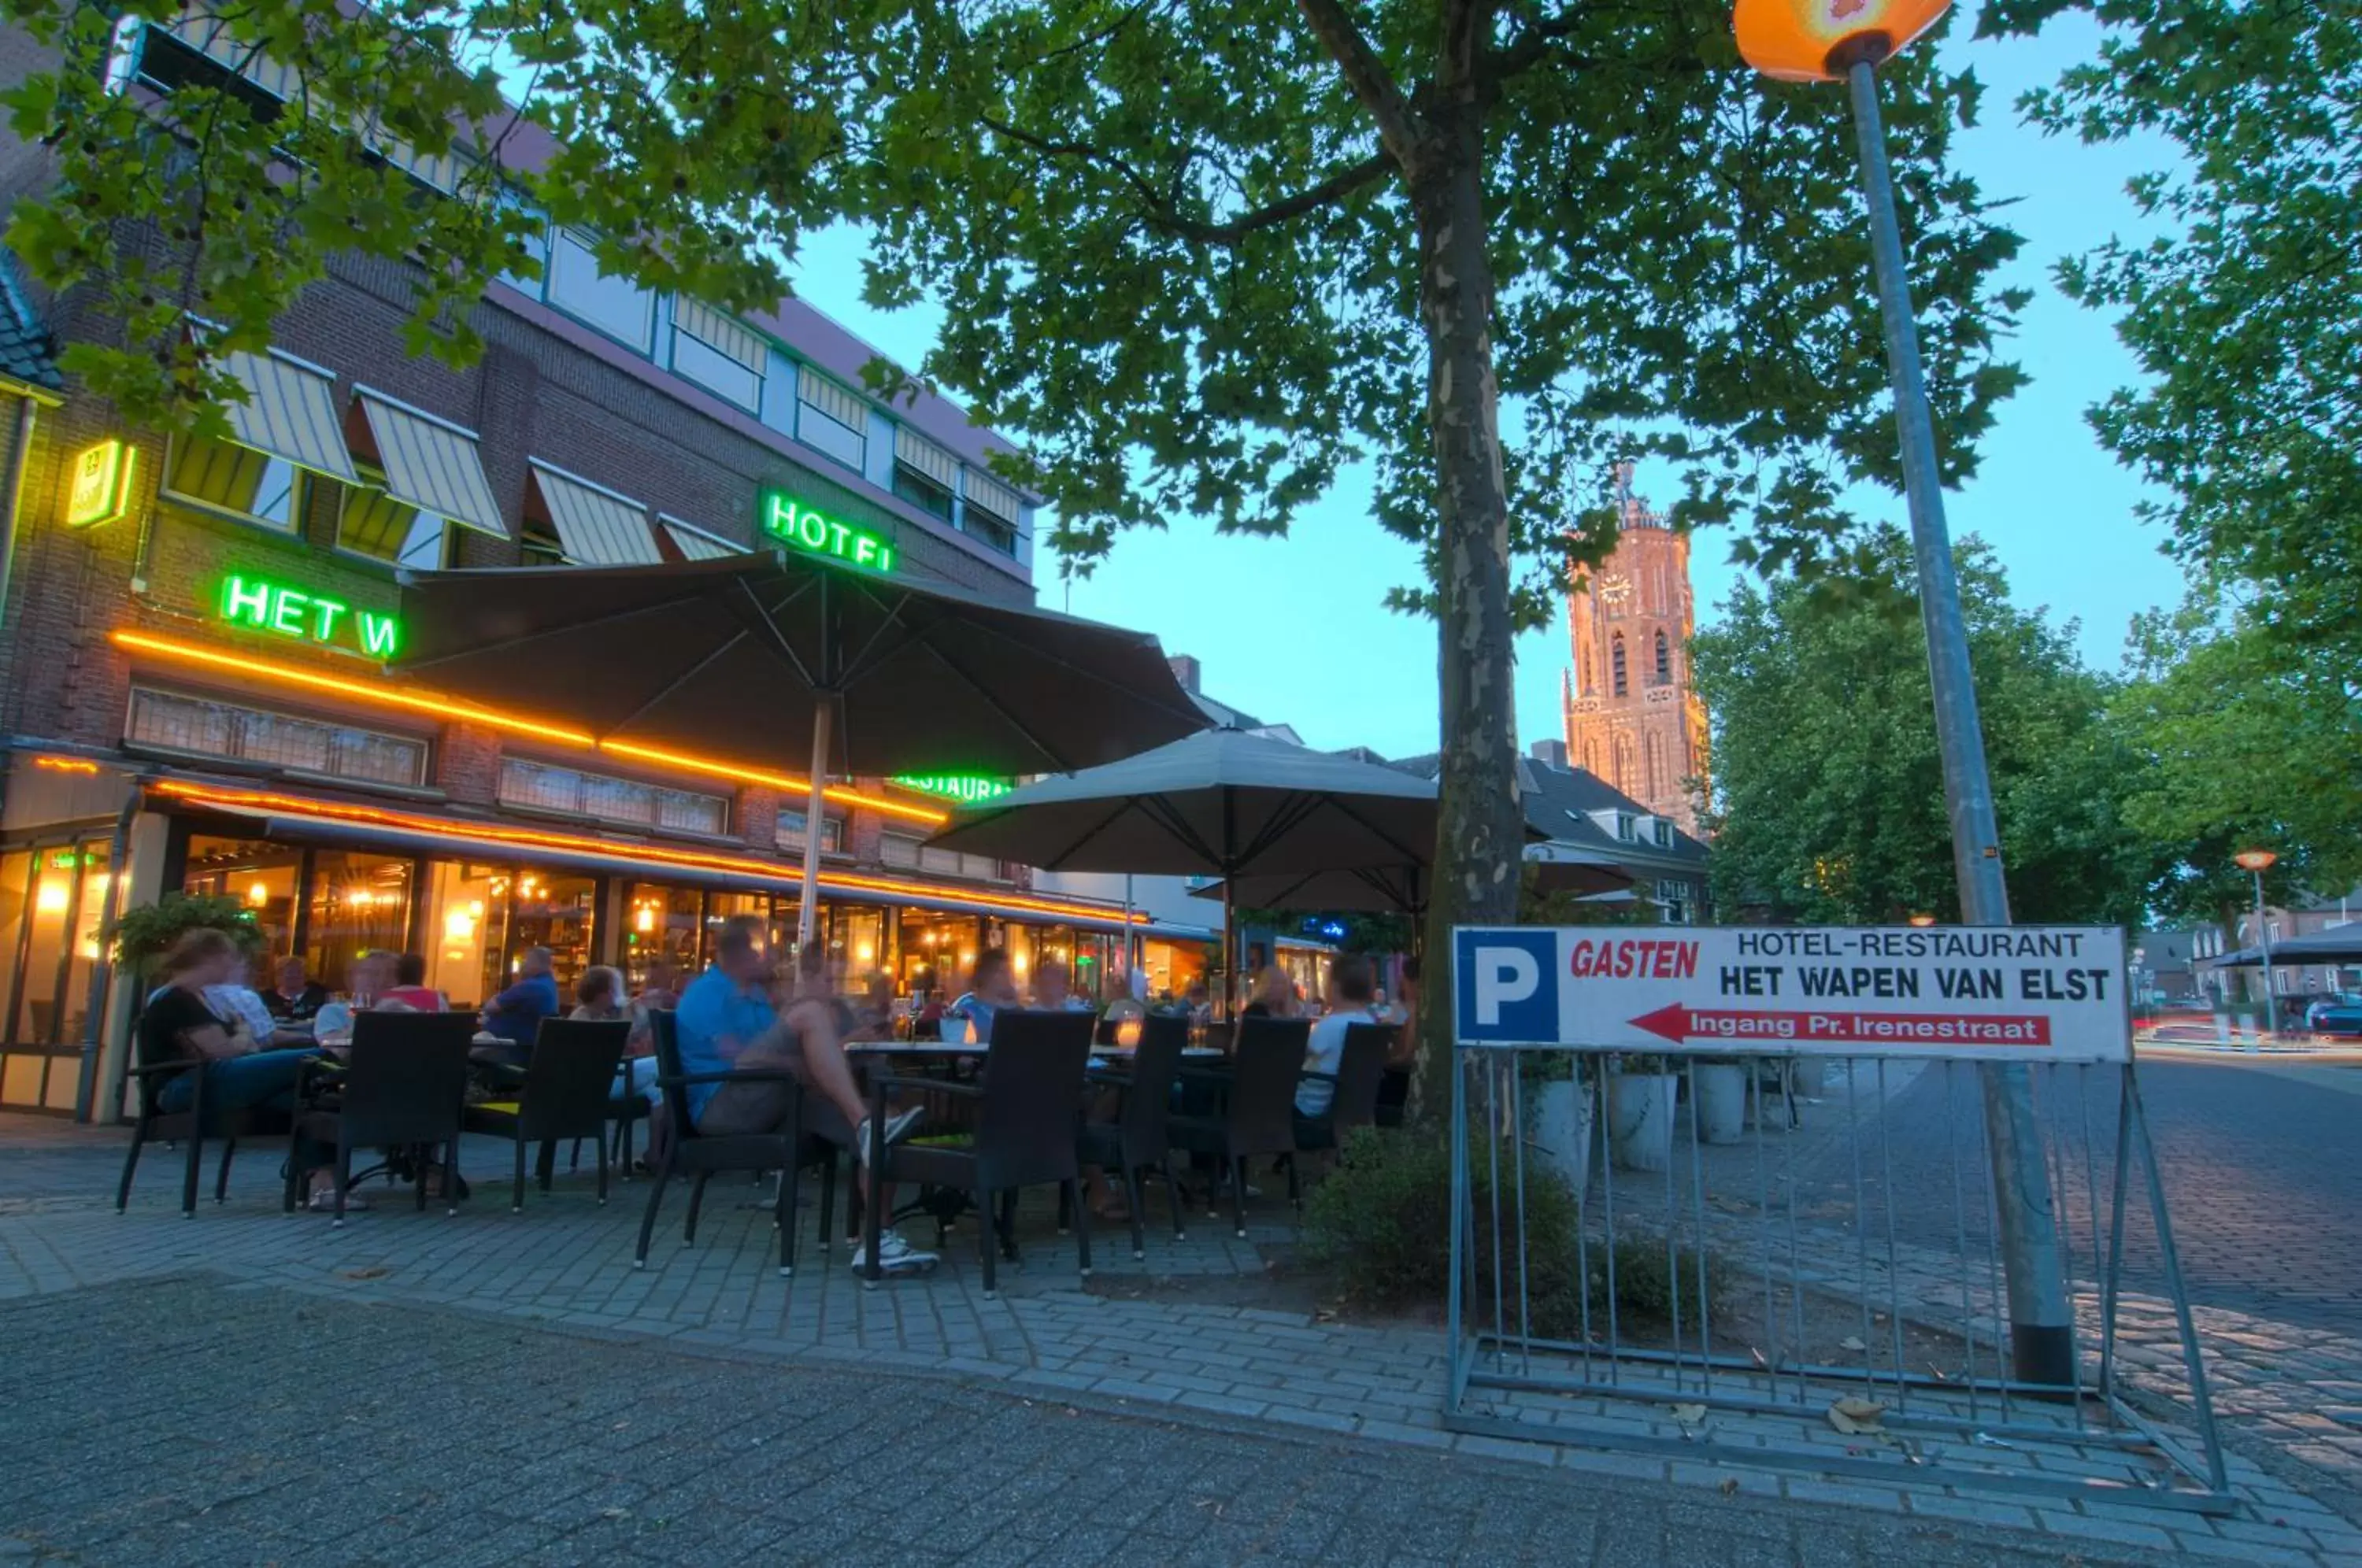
(180, 1025)
(296, 996)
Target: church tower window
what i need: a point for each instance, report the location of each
(1616, 664)
(1664, 661)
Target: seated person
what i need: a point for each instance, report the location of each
(179, 1025)
(410, 987)
(517, 1013)
(1351, 984)
(726, 1020)
(295, 996)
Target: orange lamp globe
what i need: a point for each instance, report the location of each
(1819, 40)
(2256, 859)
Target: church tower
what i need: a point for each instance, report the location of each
(1631, 718)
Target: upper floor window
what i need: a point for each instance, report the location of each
(831, 419)
(719, 353)
(375, 525)
(789, 833)
(1615, 673)
(1664, 660)
(251, 486)
(925, 474)
(540, 786)
(171, 722)
(616, 306)
(991, 512)
(1662, 831)
(898, 850)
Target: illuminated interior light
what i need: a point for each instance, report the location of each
(51, 898)
(258, 895)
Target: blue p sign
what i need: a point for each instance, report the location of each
(1506, 985)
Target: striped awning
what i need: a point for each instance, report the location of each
(432, 466)
(289, 412)
(695, 544)
(934, 461)
(988, 494)
(595, 526)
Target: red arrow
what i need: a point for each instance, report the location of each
(1680, 1024)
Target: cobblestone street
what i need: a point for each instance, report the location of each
(277, 1329)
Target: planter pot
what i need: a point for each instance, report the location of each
(1562, 1116)
(1721, 1091)
(1641, 1119)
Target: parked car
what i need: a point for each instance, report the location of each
(2340, 1014)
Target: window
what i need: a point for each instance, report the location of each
(1673, 897)
(616, 306)
(1664, 661)
(1625, 825)
(831, 419)
(235, 482)
(898, 850)
(199, 51)
(1662, 831)
(952, 863)
(991, 513)
(791, 833)
(538, 787)
(175, 722)
(924, 473)
(541, 545)
(1616, 664)
(719, 354)
(375, 525)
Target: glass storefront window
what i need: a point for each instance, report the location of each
(358, 903)
(16, 900)
(544, 911)
(857, 940)
(261, 875)
(662, 922)
(56, 932)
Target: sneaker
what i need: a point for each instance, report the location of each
(897, 1127)
(893, 1252)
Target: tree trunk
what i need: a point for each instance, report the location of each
(1480, 828)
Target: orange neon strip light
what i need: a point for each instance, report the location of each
(66, 764)
(443, 707)
(529, 838)
(777, 780)
(385, 696)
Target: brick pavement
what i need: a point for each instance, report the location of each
(179, 1422)
(565, 1264)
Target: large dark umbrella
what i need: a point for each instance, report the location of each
(2337, 945)
(799, 663)
(1219, 803)
(1403, 890)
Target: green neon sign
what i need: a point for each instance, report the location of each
(260, 605)
(807, 528)
(966, 788)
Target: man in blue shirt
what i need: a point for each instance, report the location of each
(517, 1013)
(725, 1020)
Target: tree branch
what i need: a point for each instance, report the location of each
(1160, 212)
(1367, 76)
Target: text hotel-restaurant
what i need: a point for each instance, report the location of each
(193, 632)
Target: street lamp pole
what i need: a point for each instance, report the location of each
(2256, 862)
(2041, 1323)
(1798, 40)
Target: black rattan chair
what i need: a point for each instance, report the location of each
(404, 1086)
(1360, 1068)
(1137, 1139)
(699, 1156)
(568, 1084)
(1027, 1114)
(1260, 1120)
(188, 1129)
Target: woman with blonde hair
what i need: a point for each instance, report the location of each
(1275, 995)
(180, 1025)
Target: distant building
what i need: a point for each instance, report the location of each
(1631, 717)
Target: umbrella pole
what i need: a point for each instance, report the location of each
(807, 910)
(1230, 949)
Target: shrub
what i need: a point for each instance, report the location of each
(144, 934)
(1380, 1226)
